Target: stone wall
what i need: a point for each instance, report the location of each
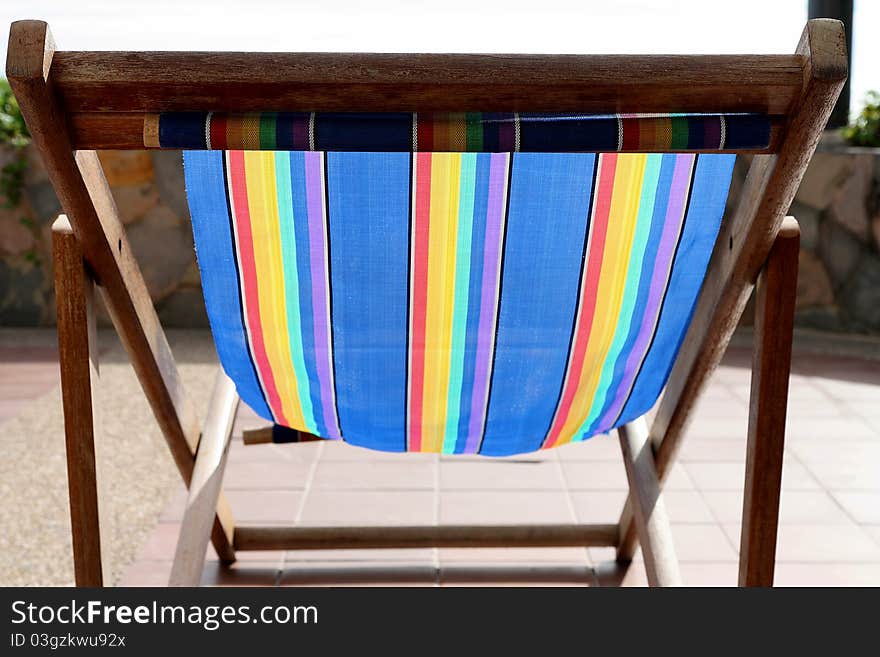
(149, 191)
(838, 207)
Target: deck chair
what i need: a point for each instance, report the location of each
(448, 253)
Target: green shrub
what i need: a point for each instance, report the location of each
(865, 129)
(13, 134)
(13, 131)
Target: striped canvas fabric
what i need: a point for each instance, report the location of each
(487, 303)
(458, 132)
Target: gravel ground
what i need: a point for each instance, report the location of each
(140, 475)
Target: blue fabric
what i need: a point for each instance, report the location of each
(710, 186)
(369, 200)
(206, 192)
(369, 241)
(546, 228)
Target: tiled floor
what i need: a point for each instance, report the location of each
(830, 516)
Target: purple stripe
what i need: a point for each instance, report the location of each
(318, 262)
(488, 299)
(659, 279)
(711, 132)
(300, 129)
(507, 133)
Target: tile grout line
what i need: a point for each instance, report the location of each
(860, 525)
(701, 493)
(588, 562)
(307, 486)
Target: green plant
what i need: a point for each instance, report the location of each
(13, 134)
(13, 131)
(865, 129)
(12, 181)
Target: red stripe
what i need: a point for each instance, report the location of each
(630, 134)
(421, 224)
(590, 284)
(245, 244)
(218, 133)
(425, 127)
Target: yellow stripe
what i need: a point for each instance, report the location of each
(612, 282)
(663, 133)
(458, 132)
(445, 174)
(250, 132)
(263, 207)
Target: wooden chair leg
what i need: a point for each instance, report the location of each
(774, 319)
(651, 521)
(78, 358)
(204, 490)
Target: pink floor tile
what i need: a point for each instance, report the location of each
(687, 506)
(702, 542)
(587, 475)
(501, 475)
(821, 574)
(269, 475)
(862, 506)
(374, 475)
(264, 506)
(480, 507)
(598, 506)
(368, 508)
(731, 476)
(821, 544)
(795, 507)
(721, 573)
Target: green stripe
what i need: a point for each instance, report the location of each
(631, 287)
(267, 130)
(291, 284)
(474, 132)
(680, 133)
(467, 182)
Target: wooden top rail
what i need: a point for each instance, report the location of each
(242, 82)
(106, 94)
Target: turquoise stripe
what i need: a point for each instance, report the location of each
(631, 290)
(291, 285)
(467, 184)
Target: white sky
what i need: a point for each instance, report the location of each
(545, 26)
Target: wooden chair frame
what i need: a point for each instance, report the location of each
(76, 102)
